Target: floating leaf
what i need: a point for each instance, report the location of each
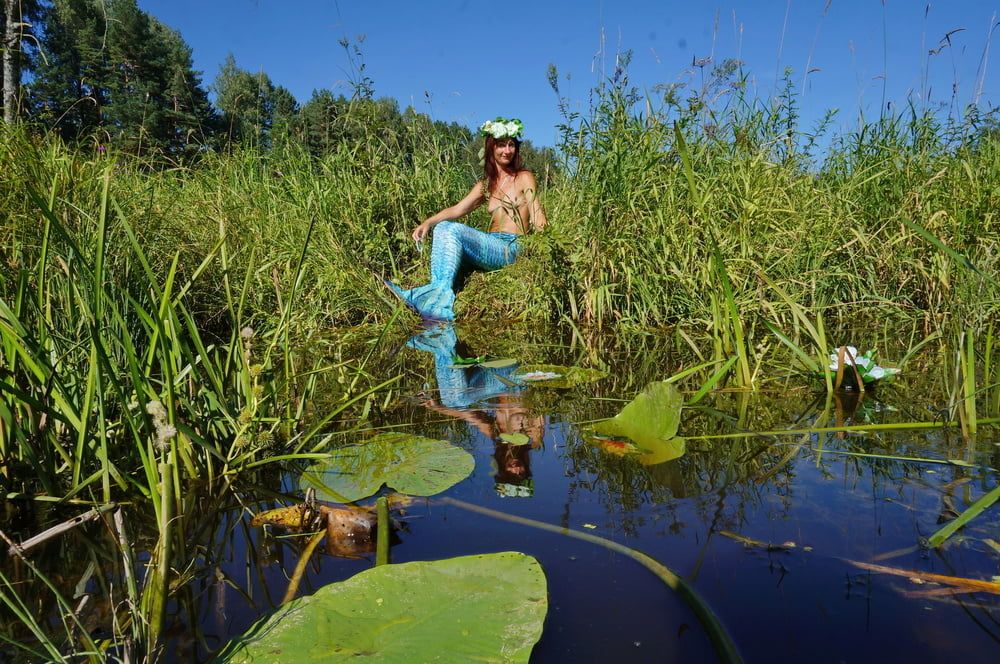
(565, 376)
(481, 361)
(409, 464)
(486, 608)
(285, 517)
(501, 363)
(614, 446)
(297, 516)
(662, 451)
(458, 360)
(651, 421)
(535, 376)
(515, 438)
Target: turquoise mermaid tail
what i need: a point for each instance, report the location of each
(460, 387)
(454, 247)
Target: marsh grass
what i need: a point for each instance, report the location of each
(155, 318)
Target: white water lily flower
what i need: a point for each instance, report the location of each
(878, 373)
(851, 352)
(512, 128)
(499, 130)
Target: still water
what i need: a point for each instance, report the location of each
(765, 527)
(769, 528)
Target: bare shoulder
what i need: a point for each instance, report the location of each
(527, 179)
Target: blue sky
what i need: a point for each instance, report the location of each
(468, 61)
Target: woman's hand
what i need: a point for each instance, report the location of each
(472, 200)
(421, 231)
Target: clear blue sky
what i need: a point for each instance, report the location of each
(468, 61)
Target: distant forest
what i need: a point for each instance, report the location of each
(106, 73)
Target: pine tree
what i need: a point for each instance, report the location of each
(70, 89)
(319, 122)
(122, 75)
(191, 120)
(253, 109)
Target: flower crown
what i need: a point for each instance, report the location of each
(502, 128)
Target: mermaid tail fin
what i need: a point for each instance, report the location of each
(401, 294)
(433, 302)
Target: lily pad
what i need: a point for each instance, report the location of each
(663, 451)
(564, 376)
(650, 421)
(409, 464)
(515, 438)
(485, 608)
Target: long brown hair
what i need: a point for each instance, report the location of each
(491, 172)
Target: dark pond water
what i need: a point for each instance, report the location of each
(707, 514)
(803, 601)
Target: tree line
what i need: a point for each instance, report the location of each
(106, 72)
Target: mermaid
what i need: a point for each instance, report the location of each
(510, 193)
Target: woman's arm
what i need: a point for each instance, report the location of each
(471, 201)
(473, 417)
(536, 214)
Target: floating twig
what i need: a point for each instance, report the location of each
(973, 585)
(748, 541)
(59, 529)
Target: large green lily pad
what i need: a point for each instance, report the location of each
(486, 608)
(409, 464)
(564, 376)
(650, 421)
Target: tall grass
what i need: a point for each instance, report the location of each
(154, 319)
(124, 378)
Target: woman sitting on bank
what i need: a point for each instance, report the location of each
(510, 193)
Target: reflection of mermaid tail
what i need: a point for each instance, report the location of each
(456, 246)
(459, 387)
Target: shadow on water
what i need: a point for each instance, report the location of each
(766, 526)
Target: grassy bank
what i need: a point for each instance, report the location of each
(632, 234)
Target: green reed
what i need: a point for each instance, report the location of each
(123, 376)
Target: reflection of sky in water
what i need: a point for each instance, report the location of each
(805, 603)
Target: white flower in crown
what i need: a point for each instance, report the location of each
(502, 128)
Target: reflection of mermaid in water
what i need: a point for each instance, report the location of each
(461, 387)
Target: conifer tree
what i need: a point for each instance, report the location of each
(253, 109)
(114, 72)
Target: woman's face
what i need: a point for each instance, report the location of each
(504, 150)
